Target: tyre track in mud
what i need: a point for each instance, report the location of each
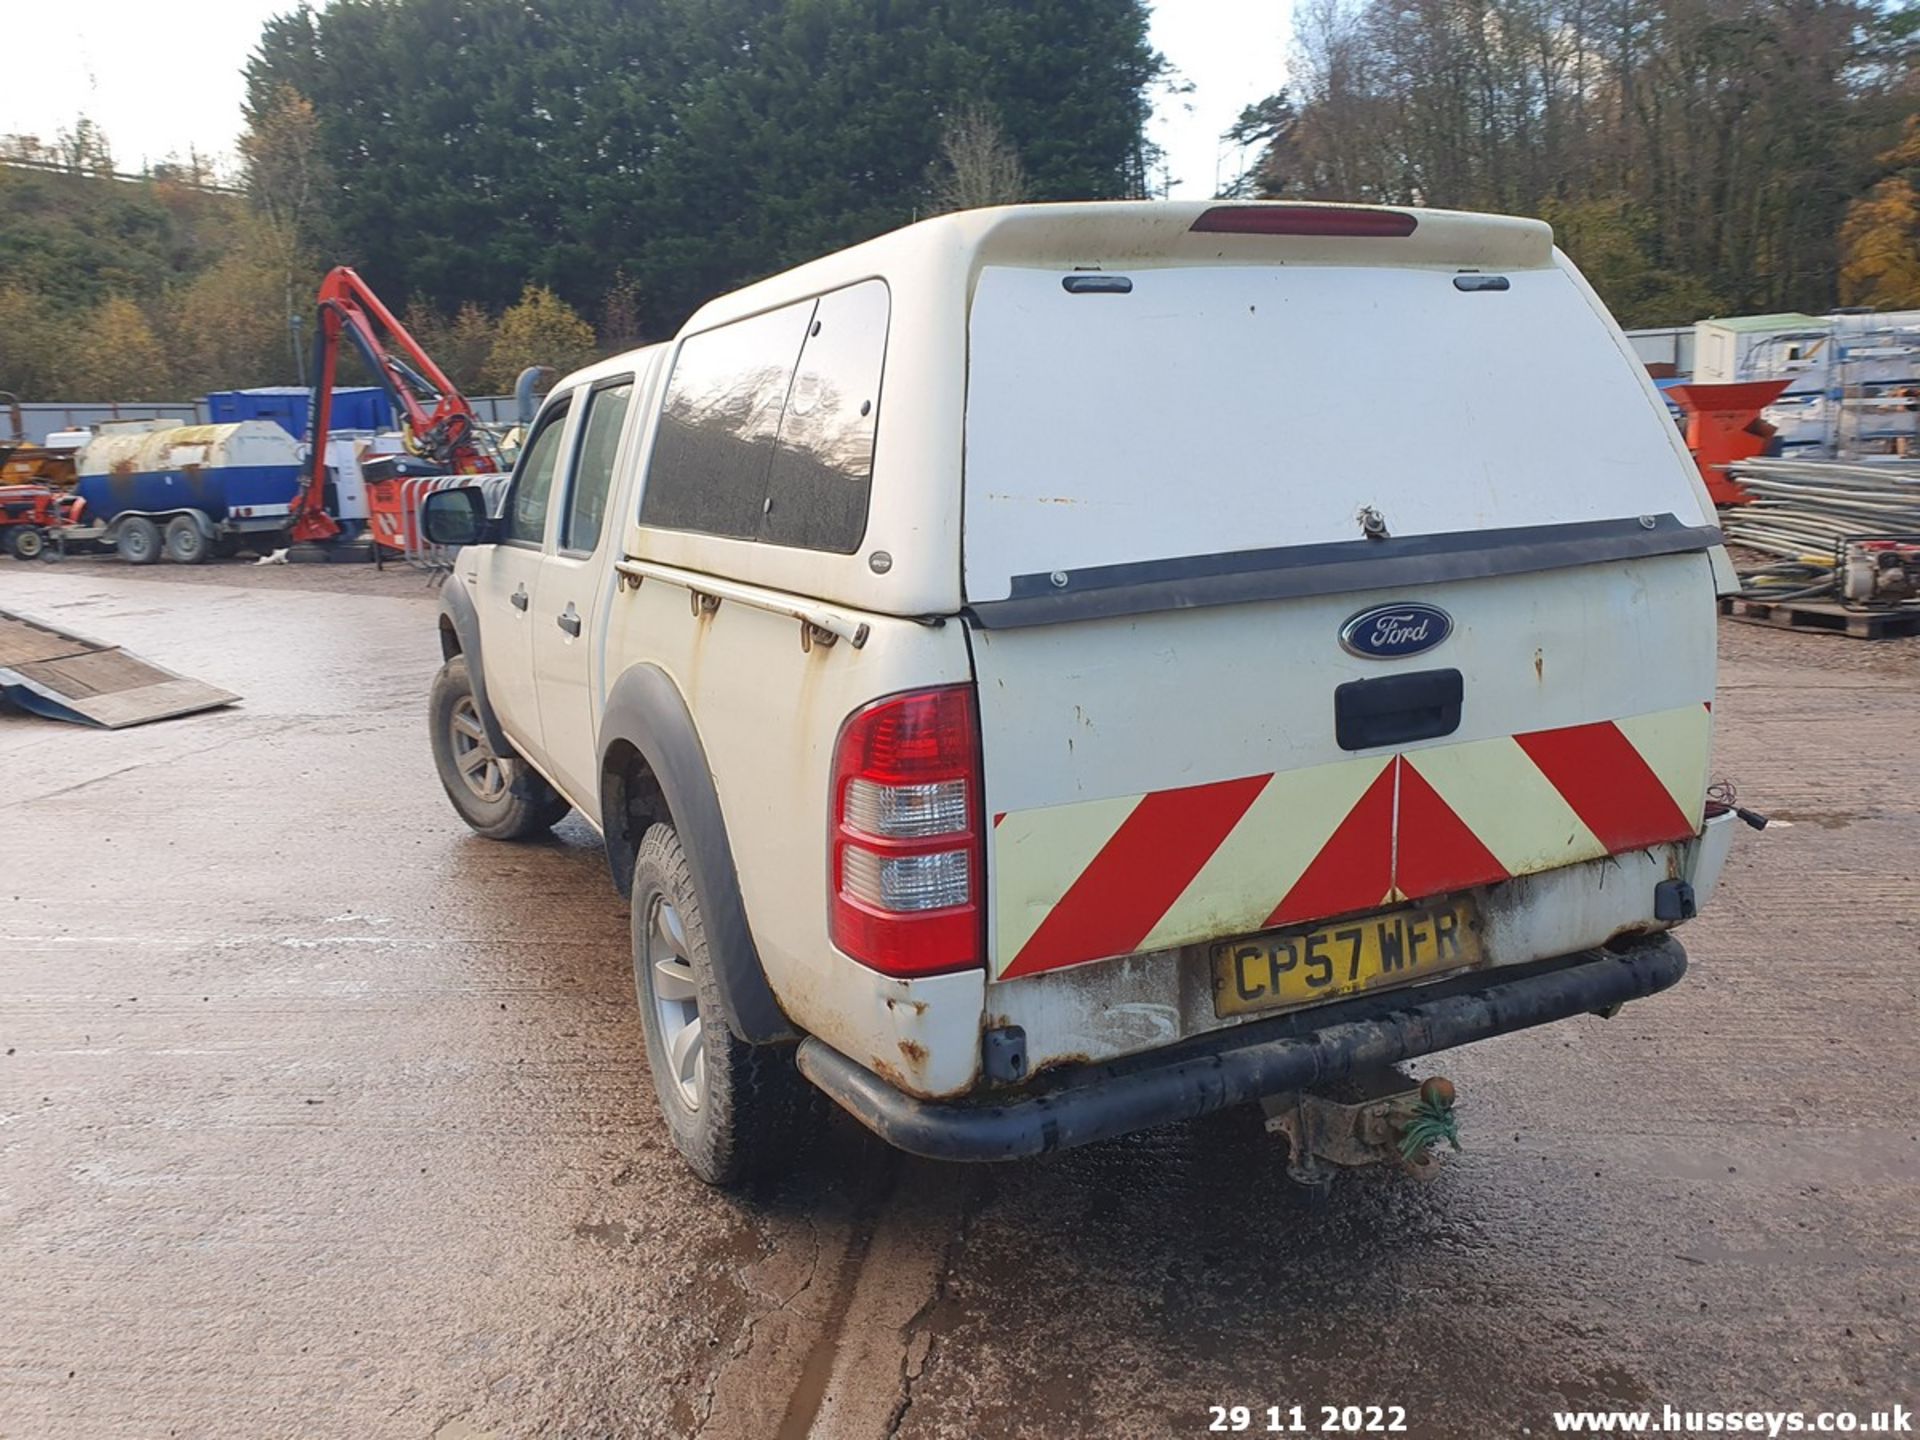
(871, 1313)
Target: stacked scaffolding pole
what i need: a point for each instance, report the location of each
(1804, 511)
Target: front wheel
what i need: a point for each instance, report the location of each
(500, 796)
(735, 1110)
(24, 542)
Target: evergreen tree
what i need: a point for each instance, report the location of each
(692, 144)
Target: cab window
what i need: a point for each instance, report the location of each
(607, 406)
(823, 464)
(533, 483)
(719, 425)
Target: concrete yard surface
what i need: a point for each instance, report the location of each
(320, 1117)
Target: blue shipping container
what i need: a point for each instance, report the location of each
(358, 407)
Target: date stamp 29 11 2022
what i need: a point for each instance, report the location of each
(1308, 1419)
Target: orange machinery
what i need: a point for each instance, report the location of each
(36, 485)
(1724, 427)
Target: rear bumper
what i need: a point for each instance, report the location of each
(1296, 1051)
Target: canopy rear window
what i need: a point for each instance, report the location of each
(1206, 412)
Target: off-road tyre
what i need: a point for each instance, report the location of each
(500, 796)
(138, 541)
(755, 1111)
(187, 543)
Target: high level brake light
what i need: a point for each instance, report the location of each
(1305, 220)
(908, 853)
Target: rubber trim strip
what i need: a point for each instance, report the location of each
(1333, 568)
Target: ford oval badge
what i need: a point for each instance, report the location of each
(1392, 632)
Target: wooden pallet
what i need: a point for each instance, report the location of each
(62, 676)
(1812, 615)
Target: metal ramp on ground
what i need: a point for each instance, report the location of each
(51, 672)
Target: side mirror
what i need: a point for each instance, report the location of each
(456, 517)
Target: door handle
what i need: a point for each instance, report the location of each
(519, 598)
(569, 619)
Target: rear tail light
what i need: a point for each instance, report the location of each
(1304, 220)
(908, 858)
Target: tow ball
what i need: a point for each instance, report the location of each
(1385, 1121)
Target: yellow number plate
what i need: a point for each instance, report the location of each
(1299, 967)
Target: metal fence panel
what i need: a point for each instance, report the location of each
(40, 418)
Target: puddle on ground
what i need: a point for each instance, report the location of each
(1825, 819)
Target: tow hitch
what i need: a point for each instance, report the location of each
(1388, 1121)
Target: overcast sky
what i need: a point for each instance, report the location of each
(162, 78)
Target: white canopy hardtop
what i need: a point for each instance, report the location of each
(935, 270)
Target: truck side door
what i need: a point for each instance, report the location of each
(570, 602)
(507, 575)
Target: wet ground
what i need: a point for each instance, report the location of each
(320, 1117)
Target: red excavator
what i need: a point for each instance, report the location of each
(442, 433)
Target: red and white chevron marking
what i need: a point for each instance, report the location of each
(1144, 872)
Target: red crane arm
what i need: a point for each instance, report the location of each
(443, 423)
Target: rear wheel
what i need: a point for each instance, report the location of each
(24, 542)
(138, 541)
(500, 796)
(187, 543)
(734, 1110)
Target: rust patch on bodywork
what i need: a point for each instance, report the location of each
(893, 1076)
(1058, 1062)
(1628, 935)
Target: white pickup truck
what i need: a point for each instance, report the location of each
(1057, 670)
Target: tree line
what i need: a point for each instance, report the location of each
(174, 293)
(1696, 157)
(540, 184)
(169, 284)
